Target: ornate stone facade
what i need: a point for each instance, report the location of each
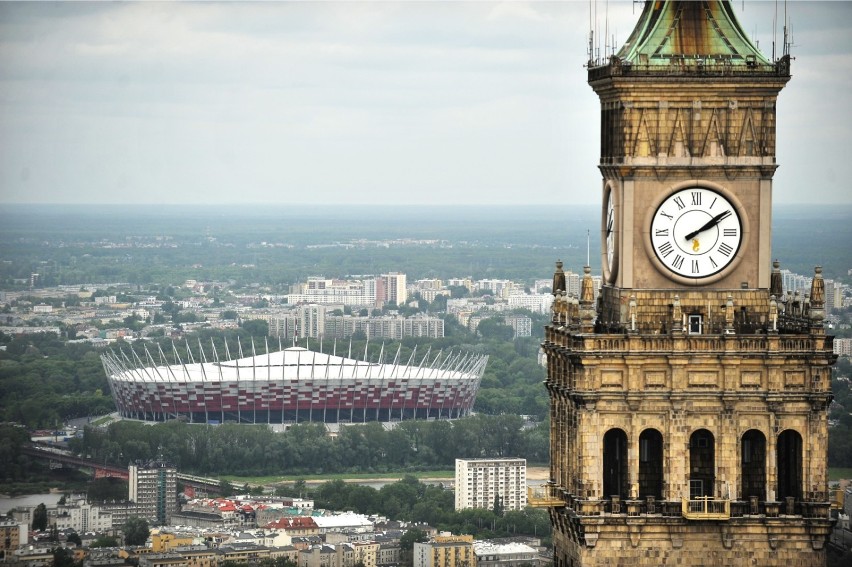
(688, 409)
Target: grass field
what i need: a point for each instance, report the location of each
(839, 473)
(318, 479)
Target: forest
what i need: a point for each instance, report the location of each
(307, 449)
(279, 246)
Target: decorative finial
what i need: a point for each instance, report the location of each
(631, 314)
(773, 313)
(776, 282)
(558, 278)
(729, 315)
(817, 306)
(677, 315)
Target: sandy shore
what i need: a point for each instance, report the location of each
(538, 473)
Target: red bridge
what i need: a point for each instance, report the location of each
(60, 458)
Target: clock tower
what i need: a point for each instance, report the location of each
(689, 402)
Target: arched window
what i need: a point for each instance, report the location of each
(753, 465)
(615, 464)
(789, 464)
(651, 464)
(702, 463)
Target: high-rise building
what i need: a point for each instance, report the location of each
(153, 487)
(689, 404)
(482, 482)
(391, 288)
(312, 321)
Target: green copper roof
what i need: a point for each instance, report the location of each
(677, 29)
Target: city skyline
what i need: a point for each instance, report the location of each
(356, 103)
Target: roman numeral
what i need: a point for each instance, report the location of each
(729, 232)
(695, 266)
(714, 202)
(666, 249)
(696, 197)
(668, 216)
(661, 232)
(679, 202)
(677, 263)
(712, 261)
(725, 249)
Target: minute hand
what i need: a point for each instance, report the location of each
(709, 224)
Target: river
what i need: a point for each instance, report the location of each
(49, 499)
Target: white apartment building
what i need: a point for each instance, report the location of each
(795, 282)
(285, 326)
(521, 324)
(535, 302)
(432, 283)
(345, 292)
(479, 482)
(490, 554)
(572, 284)
(460, 282)
(391, 288)
(312, 321)
(842, 347)
(499, 288)
(539, 285)
(81, 517)
(152, 486)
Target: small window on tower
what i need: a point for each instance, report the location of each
(695, 324)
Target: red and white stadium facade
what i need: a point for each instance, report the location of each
(295, 385)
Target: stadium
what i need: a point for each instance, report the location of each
(293, 385)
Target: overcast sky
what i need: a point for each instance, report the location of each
(357, 102)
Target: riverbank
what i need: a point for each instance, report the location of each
(534, 474)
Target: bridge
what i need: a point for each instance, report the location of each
(59, 458)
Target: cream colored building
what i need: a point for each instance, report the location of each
(445, 551)
(480, 482)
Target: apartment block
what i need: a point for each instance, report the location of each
(445, 551)
(481, 482)
(11, 533)
(153, 487)
(490, 554)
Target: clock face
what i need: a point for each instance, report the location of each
(609, 237)
(696, 232)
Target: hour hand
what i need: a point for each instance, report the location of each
(709, 224)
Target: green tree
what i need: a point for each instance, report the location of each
(495, 329)
(40, 518)
(136, 531)
(104, 541)
(63, 557)
(498, 505)
(406, 545)
(256, 327)
(226, 488)
(277, 562)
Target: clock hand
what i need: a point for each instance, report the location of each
(709, 224)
